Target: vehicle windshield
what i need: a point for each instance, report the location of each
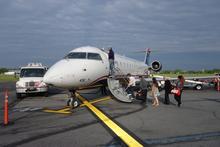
(32, 72)
(76, 55)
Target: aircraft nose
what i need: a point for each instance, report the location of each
(60, 75)
(46, 79)
(54, 75)
(50, 79)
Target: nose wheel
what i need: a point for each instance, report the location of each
(73, 101)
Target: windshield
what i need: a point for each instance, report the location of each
(32, 72)
(76, 55)
(94, 56)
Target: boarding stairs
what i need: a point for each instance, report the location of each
(117, 89)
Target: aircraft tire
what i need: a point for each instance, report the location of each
(73, 103)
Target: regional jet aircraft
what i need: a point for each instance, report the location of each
(86, 66)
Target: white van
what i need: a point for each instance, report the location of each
(31, 80)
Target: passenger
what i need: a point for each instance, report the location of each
(131, 85)
(179, 85)
(167, 87)
(155, 92)
(111, 57)
(143, 90)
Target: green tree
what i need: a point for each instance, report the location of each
(3, 70)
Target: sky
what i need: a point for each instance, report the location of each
(182, 34)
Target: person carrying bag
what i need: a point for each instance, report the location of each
(179, 89)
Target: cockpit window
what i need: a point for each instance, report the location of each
(76, 55)
(94, 56)
(83, 55)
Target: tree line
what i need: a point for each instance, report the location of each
(3, 70)
(179, 71)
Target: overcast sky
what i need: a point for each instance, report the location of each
(183, 33)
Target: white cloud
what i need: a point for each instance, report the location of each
(125, 24)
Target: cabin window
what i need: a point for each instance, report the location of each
(76, 55)
(94, 56)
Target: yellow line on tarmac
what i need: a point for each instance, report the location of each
(129, 140)
(66, 110)
(98, 100)
(58, 111)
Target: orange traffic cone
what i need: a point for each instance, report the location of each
(6, 108)
(218, 85)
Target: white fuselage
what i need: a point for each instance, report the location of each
(87, 65)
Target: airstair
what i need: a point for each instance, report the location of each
(115, 85)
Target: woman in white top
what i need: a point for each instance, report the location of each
(155, 92)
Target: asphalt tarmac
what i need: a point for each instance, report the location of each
(195, 123)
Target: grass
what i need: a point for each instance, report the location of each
(7, 78)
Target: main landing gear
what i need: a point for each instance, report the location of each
(73, 101)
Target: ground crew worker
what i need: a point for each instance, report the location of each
(111, 57)
(143, 90)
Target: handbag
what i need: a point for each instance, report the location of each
(176, 91)
(158, 93)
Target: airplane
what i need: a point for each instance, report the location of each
(86, 66)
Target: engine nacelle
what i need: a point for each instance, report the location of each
(156, 66)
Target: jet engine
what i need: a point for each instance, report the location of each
(156, 66)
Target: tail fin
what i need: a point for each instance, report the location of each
(147, 56)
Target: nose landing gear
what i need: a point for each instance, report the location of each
(73, 101)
